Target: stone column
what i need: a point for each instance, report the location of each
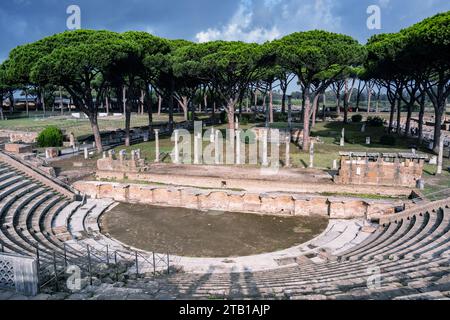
(72, 139)
(121, 156)
(238, 147)
(230, 146)
(156, 145)
(104, 154)
(176, 148)
(440, 156)
(311, 155)
(86, 154)
(265, 161)
(217, 147)
(288, 150)
(335, 164)
(342, 144)
(212, 136)
(290, 112)
(197, 141)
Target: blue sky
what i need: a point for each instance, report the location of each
(23, 21)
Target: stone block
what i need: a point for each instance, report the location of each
(189, 198)
(252, 202)
(51, 153)
(161, 196)
(217, 200)
(18, 148)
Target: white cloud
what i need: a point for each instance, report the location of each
(259, 22)
(384, 3)
(240, 27)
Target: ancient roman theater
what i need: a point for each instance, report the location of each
(140, 229)
(255, 163)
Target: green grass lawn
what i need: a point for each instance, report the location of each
(325, 152)
(80, 127)
(437, 187)
(329, 132)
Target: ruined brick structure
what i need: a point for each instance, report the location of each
(388, 169)
(122, 163)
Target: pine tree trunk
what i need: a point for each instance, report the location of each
(306, 140)
(315, 108)
(27, 105)
(96, 131)
(271, 118)
(149, 109)
(230, 113)
(159, 105)
(399, 116)
(391, 115)
(346, 102)
(421, 115)
(408, 118)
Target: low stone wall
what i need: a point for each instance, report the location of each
(264, 203)
(19, 136)
(18, 148)
(249, 184)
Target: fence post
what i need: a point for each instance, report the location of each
(65, 255)
(107, 254)
(137, 264)
(37, 257)
(89, 265)
(154, 265)
(56, 271)
(115, 264)
(168, 263)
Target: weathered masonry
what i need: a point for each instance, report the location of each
(389, 169)
(239, 201)
(18, 273)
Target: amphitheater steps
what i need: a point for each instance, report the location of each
(370, 241)
(390, 232)
(401, 233)
(411, 252)
(60, 222)
(427, 243)
(292, 288)
(421, 226)
(290, 274)
(433, 295)
(76, 220)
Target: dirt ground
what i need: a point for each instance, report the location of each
(243, 172)
(207, 233)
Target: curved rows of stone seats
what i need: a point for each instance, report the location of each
(407, 256)
(409, 251)
(37, 219)
(27, 208)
